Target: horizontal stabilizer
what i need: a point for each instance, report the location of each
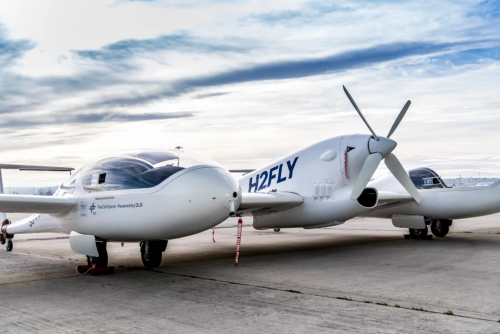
(36, 168)
(35, 204)
(241, 170)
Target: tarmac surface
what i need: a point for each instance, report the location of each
(360, 277)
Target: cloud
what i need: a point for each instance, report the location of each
(11, 50)
(90, 118)
(204, 96)
(472, 56)
(179, 42)
(290, 69)
(311, 12)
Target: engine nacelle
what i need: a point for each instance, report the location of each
(368, 198)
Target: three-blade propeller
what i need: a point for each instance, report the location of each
(381, 149)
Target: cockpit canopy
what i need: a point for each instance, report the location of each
(136, 169)
(426, 178)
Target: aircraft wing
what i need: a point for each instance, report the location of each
(35, 204)
(268, 202)
(36, 168)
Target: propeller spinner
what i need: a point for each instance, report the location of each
(381, 149)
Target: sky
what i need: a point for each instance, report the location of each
(247, 82)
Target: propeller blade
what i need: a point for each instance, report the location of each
(400, 117)
(359, 112)
(369, 167)
(402, 176)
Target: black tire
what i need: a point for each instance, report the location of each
(440, 228)
(10, 245)
(277, 229)
(151, 259)
(102, 260)
(2, 239)
(419, 233)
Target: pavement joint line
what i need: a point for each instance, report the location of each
(347, 299)
(40, 280)
(316, 295)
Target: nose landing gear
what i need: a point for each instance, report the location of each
(102, 260)
(97, 265)
(151, 252)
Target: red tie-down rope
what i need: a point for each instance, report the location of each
(345, 165)
(238, 240)
(213, 233)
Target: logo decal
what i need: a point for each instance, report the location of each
(266, 177)
(92, 208)
(32, 222)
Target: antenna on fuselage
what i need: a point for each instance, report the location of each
(178, 148)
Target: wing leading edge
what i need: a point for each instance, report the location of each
(389, 197)
(263, 202)
(35, 204)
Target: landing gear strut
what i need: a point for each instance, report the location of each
(102, 260)
(151, 252)
(97, 265)
(440, 227)
(419, 233)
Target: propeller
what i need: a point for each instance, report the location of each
(381, 149)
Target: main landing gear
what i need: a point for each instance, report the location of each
(439, 227)
(9, 246)
(151, 252)
(5, 237)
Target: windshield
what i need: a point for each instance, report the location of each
(136, 169)
(426, 178)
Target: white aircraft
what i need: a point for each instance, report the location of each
(151, 197)
(439, 204)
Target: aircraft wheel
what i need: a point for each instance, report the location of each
(102, 260)
(439, 228)
(2, 239)
(151, 259)
(418, 233)
(277, 230)
(151, 253)
(10, 245)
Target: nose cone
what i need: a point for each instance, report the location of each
(213, 189)
(200, 199)
(383, 146)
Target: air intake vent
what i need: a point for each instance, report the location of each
(368, 198)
